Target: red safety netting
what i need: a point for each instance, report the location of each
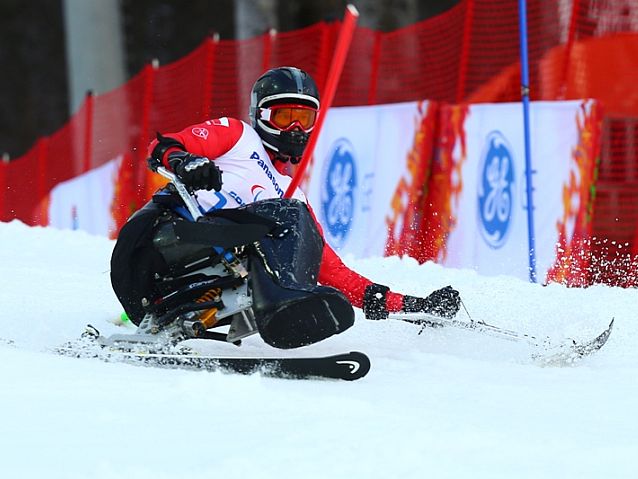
(470, 53)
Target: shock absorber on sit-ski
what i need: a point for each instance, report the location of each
(208, 318)
(196, 324)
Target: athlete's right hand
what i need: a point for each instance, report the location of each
(197, 172)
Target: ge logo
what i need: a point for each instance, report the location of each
(338, 191)
(496, 190)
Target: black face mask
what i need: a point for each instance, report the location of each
(292, 145)
(286, 158)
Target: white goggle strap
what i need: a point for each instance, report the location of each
(264, 113)
(289, 96)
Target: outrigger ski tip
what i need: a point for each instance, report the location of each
(548, 352)
(572, 353)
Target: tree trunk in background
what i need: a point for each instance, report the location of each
(254, 17)
(94, 45)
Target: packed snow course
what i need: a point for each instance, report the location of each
(443, 404)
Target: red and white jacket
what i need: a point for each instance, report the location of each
(249, 175)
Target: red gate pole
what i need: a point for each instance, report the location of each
(339, 58)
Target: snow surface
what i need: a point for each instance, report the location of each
(443, 404)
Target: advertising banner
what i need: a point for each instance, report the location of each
(477, 207)
(366, 181)
(84, 201)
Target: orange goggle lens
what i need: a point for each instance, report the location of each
(285, 117)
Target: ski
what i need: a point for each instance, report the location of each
(346, 366)
(569, 353)
(549, 352)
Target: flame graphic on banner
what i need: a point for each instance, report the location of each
(41, 211)
(125, 201)
(405, 229)
(152, 182)
(574, 228)
(445, 183)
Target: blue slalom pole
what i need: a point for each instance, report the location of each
(522, 9)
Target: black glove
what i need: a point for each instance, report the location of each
(197, 172)
(444, 302)
(374, 301)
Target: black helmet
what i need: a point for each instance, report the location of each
(284, 130)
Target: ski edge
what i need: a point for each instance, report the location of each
(348, 366)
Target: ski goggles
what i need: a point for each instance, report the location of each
(287, 117)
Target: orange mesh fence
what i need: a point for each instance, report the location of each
(19, 186)
(178, 92)
(422, 61)
(283, 49)
(470, 53)
(116, 124)
(223, 97)
(66, 152)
